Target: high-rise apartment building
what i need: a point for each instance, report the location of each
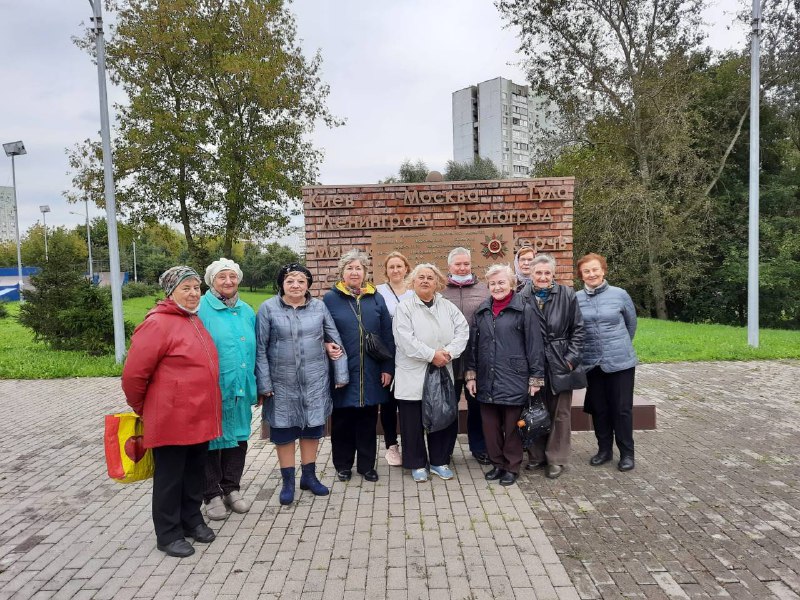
(500, 120)
(8, 231)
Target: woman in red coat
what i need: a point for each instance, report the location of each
(171, 379)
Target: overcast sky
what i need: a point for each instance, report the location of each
(392, 66)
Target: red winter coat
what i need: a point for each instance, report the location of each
(171, 378)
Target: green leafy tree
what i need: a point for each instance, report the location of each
(216, 132)
(625, 72)
(479, 169)
(409, 172)
(61, 242)
(67, 312)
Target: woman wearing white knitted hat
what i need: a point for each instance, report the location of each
(231, 323)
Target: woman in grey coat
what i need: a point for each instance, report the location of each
(609, 359)
(292, 375)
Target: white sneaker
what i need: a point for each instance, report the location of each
(393, 456)
(215, 509)
(236, 503)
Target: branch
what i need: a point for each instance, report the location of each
(727, 153)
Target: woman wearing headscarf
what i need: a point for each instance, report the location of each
(506, 365)
(171, 379)
(610, 361)
(358, 309)
(231, 323)
(557, 307)
(292, 371)
(428, 330)
(395, 268)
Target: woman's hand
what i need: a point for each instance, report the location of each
(533, 389)
(334, 350)
(339, 385)
(386, 379)
(441, 358)
(472, 387)
(262, 398)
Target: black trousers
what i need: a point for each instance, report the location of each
(503, 441)
(389, 421)
(609, 397)
(440, 443)
(224, 470)
(178, 489)
(475, 437)
(354, 438)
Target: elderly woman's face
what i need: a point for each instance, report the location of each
(542, 275)
(226, 283)
(425, 284)
(499, 285)
(461, 265)
(295, 286)
(592, 273)
(353, 274)
(187, 294)
(525, 261)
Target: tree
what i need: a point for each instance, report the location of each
(66, 244)
(66, 311)
(409, 173)
(215, 136)
(261, 268)
(626, 71)
(479, 169)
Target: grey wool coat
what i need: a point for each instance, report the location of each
(291, 362)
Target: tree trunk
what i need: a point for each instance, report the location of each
(656, 283)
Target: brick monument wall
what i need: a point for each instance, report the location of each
(425, 220)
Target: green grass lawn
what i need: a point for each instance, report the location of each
(21, 357)
(656, 341)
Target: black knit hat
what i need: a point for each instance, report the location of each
(286, 269)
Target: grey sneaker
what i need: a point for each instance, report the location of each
(236, 503)
(215, 509)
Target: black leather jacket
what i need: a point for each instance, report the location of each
(563, 332)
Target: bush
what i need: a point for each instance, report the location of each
(67, 312)
(3, 310)
(139, 290)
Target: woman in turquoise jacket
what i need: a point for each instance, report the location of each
(231, 323)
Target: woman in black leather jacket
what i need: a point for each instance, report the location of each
(562, 323)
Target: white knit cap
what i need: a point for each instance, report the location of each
(223, 264)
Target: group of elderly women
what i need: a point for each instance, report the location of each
(198, 364)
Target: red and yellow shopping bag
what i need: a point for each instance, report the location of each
(126, 457)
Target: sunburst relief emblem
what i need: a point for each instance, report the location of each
(494, 247)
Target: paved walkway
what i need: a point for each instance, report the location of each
(712, 510)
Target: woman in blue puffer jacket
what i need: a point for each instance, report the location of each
(609, 319)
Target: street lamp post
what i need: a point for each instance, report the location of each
(108, 180)
(88, 238)
(45, 208)
(14, 149)
(135, 275)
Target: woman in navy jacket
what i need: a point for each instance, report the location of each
(357, 309)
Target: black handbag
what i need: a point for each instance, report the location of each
(439, 405)
(373, 344)
(534, 421)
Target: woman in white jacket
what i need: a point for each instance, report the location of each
(428, 329)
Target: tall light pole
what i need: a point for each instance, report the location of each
(752, 237)
(14, 149)
(88, 238)
(45, 208)
(108, 172)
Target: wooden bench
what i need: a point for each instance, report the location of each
(644, 416)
